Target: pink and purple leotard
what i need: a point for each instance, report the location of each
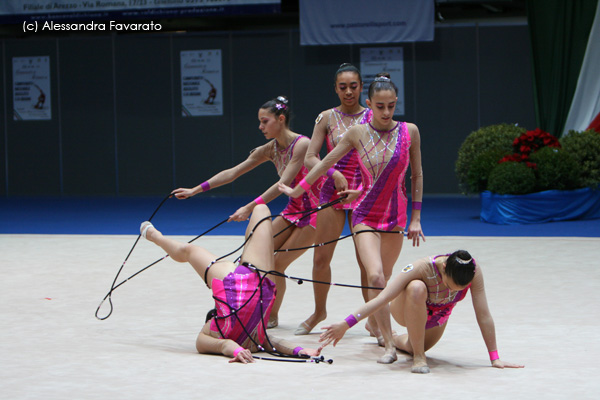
(243, 301)
(339, 123)
(296, 207)
(439, 310)
(383, 161)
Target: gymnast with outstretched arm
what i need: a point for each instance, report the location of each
(295, 226)
(243, 292)
(385, 149)
(421, 298)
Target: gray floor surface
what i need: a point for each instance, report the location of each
(543, 294)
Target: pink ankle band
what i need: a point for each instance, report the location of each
(351, 320)
(205, 186)
(416, 205)
(330, 172)
(305, 185)
(494, 355)
(259, 200)
(237, 351)
(298, 350)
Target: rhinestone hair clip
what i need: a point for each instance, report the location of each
(382, 79)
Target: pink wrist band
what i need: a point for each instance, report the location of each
(330, 172)
(494, 355)
(416, 205)
(237, 351)
(305, 185)
(205, 186)
(351, 320)
(259, 200)
(298, 350)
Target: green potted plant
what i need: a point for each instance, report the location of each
(475, 156)
(538, 179)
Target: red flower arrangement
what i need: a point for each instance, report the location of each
(528, 143)
(531, 141)
(516, 157)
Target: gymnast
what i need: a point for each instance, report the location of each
(421, 298)
(286, 149)
(385, 148)
(243, 295)
(330, 127)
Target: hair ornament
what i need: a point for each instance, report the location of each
(282, 99)
(382, 79)
(463, 262)
(280, 106)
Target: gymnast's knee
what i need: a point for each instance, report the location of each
(261, 210)
(184, 252)
(321, 262)
(416, 291)
(377, 279)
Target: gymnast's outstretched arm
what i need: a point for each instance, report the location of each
(486, 322)
(286, 347)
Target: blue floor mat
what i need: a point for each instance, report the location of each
(441, 216)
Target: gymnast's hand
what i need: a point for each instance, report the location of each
(244, 357)
(333, 333)
(503, 364)
(288, 191)
(311, 352)
(183, 193)
(415, 233)
(242, 214)
(340, 181)
(350, 194)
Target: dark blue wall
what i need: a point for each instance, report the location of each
(117, 128)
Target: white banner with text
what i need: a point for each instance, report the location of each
(335, 22)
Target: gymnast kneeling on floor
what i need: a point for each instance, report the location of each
(421, 298)
(243, 293)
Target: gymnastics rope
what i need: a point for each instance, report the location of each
(307, 213)
(276, 353)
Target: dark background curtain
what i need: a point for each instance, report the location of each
(559, 31)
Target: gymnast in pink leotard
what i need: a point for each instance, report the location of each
(385, 149)
(421, 298)
(243, 292)
(383, 163)
(330, 127)
(286, 150)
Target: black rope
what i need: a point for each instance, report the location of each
(336, 240)
(281, 356)
(113, 287)
(307, 213)
(233, 312)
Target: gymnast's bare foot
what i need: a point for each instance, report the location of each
(307, 326)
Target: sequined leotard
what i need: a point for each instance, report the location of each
(243, 300)
(440, 303)
(339, 123)
(383, 160)
(293, 212)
